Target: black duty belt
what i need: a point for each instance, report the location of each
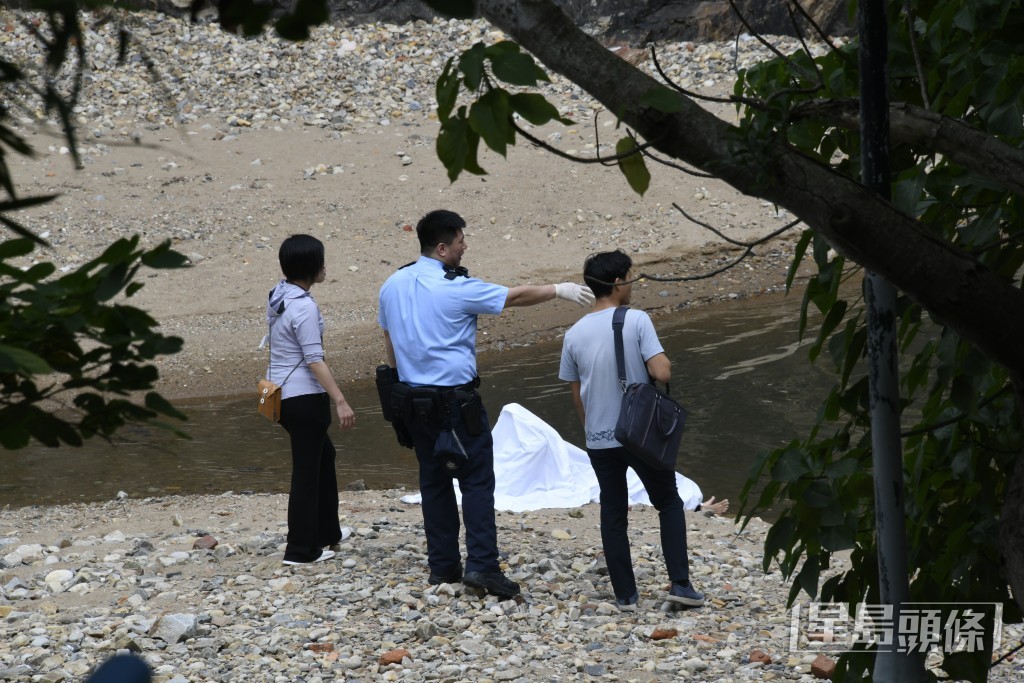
(468, 386)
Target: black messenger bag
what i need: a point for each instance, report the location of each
(650, 423)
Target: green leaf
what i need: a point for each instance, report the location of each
(633, 166)
(798, 256)
(304, 14)
(17, 360)
(534, 108)
(779, 538)
(471, 64)
(807, 579)
(832, 320)
(965, 18)
(836, 538)
(818, 494)
(452, 144)
(446, 91)
(489, 118)
(457, 9)
(663, 99)
(790, 466)
(517, 68)
(969, 666)
(472, 145)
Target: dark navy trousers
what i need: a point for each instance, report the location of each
(610, 467)
(440, 510)
(313, 498)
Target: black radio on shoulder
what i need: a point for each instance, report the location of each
(452, 272)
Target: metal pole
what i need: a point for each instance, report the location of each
(891, 665)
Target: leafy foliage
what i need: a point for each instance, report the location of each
(490, 116)
(71, 335)
(965, 429)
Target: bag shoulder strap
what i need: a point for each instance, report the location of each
(270, 348)
(618, 320)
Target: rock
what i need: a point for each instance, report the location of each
(759, 656)
(206, 542)
(320, 647)
(57, 579)
(32, 552)
(357, 485)
(10, 561)
(394, 657)
(174, 628)
(823, 667)
(663, 633)
(561, 534)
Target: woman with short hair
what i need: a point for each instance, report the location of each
(307, 391)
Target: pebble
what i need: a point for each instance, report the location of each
(236, 613)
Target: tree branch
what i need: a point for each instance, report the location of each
(982, 153)
(983, 307)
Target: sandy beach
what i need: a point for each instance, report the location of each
(225, 170)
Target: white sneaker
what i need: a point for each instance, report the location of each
(346, 532)
(324, 556)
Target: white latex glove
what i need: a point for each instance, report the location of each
(578, 294)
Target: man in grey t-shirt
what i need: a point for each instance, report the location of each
(588, 363)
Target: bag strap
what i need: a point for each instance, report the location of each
(270, 347)
(618, 319)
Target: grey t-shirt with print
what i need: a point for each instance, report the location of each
(588, 357)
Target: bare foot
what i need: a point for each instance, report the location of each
(719, 508)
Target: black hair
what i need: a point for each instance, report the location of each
(606, 266)
(301, 257)
(436, 227)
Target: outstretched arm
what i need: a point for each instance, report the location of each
(529, 295)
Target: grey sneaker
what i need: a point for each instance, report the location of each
(685, 594)
(627, 604)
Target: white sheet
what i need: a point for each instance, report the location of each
(534, 468)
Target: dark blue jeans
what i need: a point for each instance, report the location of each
(313, 498)
(440, 510)
(610, 467)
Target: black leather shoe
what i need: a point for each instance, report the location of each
(493, 583)
(454, 577)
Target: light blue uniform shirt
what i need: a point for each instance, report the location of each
(432, 322)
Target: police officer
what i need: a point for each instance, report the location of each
(428, 311)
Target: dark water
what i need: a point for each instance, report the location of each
(738, 367)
